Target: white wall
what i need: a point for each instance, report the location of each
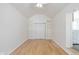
(12, 28)
(44, 29)
(62, 27)
(59, 29)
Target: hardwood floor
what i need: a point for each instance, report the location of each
(39, 47)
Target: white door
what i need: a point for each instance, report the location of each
(37, 31)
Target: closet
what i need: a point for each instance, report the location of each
(38, 27)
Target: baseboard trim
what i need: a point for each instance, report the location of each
(17, 47)
(53, 40)
(66, 50)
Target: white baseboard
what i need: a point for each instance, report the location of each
(65, 49)
(16, 47)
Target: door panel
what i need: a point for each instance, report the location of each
(37, 31)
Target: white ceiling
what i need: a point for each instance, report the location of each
(29, 9)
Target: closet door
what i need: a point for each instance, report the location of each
(37, 31)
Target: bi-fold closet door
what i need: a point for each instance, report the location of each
(37, 31)
(37, 27)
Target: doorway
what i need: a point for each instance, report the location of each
(39, 27)
(37, 31)
(75, 30)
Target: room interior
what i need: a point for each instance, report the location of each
(28, 27)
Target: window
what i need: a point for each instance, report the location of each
(75, 23)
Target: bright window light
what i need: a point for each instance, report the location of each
(75, 23)
(39, 5)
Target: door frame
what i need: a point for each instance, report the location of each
(44, 31)
(69, 41)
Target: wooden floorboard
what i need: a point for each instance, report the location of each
(39, 47)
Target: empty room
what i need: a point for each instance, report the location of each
(39, 28)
